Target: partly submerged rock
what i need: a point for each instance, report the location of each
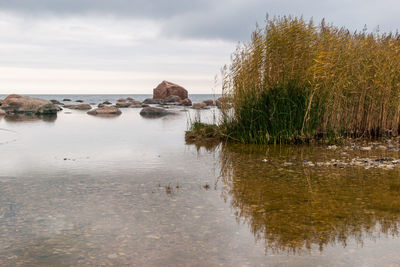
(79, 107)
(79, 101)
(28, 105)
(120, 104)
(135, 104)
(186, 102)
(66, 99)
(209, 102)
(107, 103)
(105, 110)
(153, 101)
(165, 89)
(55, 102)
(154, 112)
(199, 105)
(172, 99)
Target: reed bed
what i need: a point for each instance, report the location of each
(296, 81)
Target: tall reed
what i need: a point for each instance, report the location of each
(296, 81)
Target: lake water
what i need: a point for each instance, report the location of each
(87, 191)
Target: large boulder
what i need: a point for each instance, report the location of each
(28, 105)
(154, 112)
(165, 89)
(105, 110)
(79, 107)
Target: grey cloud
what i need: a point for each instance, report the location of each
(139, 8)
(225, 19)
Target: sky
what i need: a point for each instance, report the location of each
(129, 46)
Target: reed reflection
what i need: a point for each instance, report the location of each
(292, 208)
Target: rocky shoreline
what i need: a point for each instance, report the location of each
(165, 95)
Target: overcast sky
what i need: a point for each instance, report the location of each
(129, 46)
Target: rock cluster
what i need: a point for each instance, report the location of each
(17, 104)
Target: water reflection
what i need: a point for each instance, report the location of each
(25, 117)
(292, 208)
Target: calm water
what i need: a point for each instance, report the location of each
(81, 190)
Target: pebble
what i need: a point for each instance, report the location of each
(112, 256)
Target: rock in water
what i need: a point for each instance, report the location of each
(79, 107)
(209, 102)
(199, 105)
(154, 112)
(120, 104)
(186, 102)
(28, 105)
(165, 89)
(172, 99)
(153, 101)
(55, 102)
(105, 110)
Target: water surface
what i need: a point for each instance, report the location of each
(82, 190)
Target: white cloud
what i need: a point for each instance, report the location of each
(184, 41)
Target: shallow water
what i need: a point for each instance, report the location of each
(82, 190)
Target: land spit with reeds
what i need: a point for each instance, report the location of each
(297, 82)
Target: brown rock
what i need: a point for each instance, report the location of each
(186, 102)
(154, 112)
(172, 99)
(121, 100)
(79, 107)
(135, 104)
(199, 105)
(79, 101)
(209, 102)
(165, 89)
(2, 112)
(130, 99)
(23, 104)
(120, 104)
(153, 101)
(106, 110)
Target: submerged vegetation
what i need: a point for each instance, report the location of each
(296, 81)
